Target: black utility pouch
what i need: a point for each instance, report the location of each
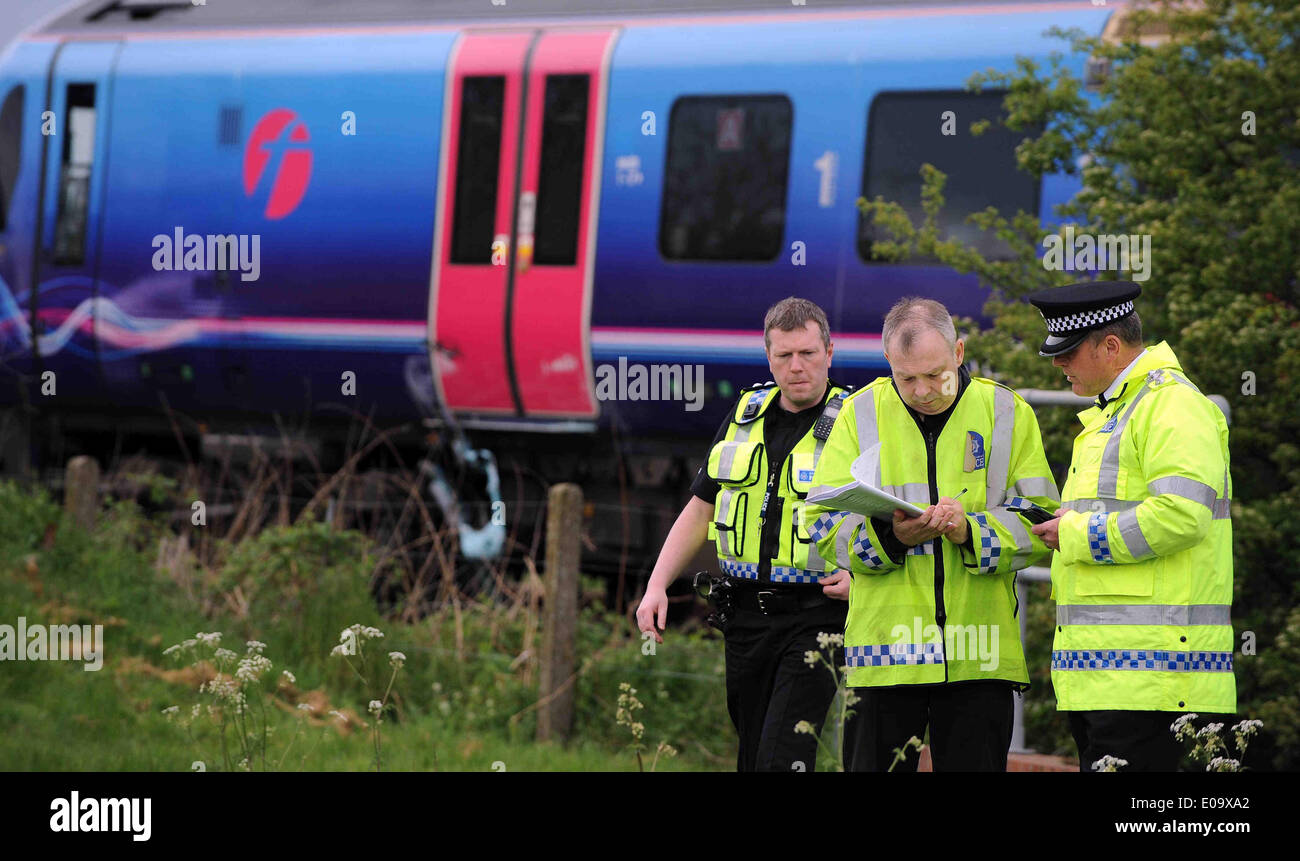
(717, 591)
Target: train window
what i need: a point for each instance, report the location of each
(725, 180)
(482, 100)
(559, 187)
(74, 175)
(905, 130)
(11, 147)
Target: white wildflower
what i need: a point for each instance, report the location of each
(1247, 727)
(171, 711)
(252, 667)
(255, 646)
(212, 639)
(810, 658)
(396, 659)
(805, 727)
(375, 707)
(306, 707)
(288, 677)
(1109, 763)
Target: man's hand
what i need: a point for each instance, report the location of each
(836, 585)
(916, 530)
(1050, 530)
(950, 519)
(654, 607)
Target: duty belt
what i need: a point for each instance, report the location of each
(771, 602)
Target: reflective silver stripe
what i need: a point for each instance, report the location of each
(1038, 487)
(742, 432)
(864, 410)
(915, 492)
(844, 538)
(815, 560)
(999, 454)
(1108, 473)
(1185, 382)
(726, 458)
(720, 522)
(1143, 614)
(1100, 505)
(1187, 488)
(925, 548)
(1131, 532)
(1019, 534)
(1222, 509)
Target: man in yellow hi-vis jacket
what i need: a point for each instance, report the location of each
(1143, 573)
(932, 635)
(784, 598)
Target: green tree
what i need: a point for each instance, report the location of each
(1192, 138)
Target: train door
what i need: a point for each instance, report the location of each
(74, 137)
(511, 284)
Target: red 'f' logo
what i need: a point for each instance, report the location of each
(289, 183)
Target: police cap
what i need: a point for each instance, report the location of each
(1074, 311)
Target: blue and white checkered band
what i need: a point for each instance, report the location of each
(782, 574)
(743, 570)
(1098, 544)
(1119, 659)
(865, 550)
(1086, 319)
(890, 654)
(823, 525)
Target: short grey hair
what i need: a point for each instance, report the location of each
(912, 315)
(1128, 329)
(792, 314)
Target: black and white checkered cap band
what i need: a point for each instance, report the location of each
(1087, 319)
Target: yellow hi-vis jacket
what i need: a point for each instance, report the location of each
(753, 490)
(941, 613)
(1143, 580)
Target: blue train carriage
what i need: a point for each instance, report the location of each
(634, 189)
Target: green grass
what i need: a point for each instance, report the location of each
(462, 702)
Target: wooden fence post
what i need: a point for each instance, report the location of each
(81, 490)
(560, 620)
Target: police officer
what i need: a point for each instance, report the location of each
(747, 497)
(932, 633)
(1142, 575)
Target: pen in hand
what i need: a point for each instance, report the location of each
(958, 496)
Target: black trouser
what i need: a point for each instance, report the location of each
(770, 688)
(1141, 737)
(970, 725)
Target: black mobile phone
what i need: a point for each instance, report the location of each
(1033, 513)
